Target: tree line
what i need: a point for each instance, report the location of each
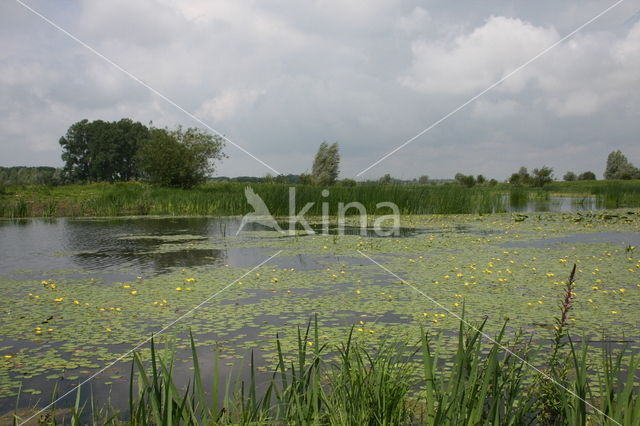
(124, 150)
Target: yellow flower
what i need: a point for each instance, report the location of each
(371, 332)
(622, 290)
(59, 299)
(274, 280)
(76, 302)
(563, 260)
(179, 288)
(595, 287)
(550, 274)
(358, 292)
(615, 312)
(7, 356)
(190, 280)
(360, 329)
(126, 286)
(108, 330)
(134, 291)
(456, 304)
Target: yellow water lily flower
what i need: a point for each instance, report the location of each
(179, 288)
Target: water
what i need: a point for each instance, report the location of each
(122, 249)
(551, 203)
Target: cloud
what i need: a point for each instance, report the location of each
(471, 62)
(280, 77)
(228, 103)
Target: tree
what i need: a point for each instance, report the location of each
(101, 150)
(589, 175)
(480, 179)
(521, 178)
(326, 165)
(618, 167)
(465, 180)
(347, 182)
(423, 180)
(386, 180)
(542, 176)
(305, 179)
(179, 158)
(569, 176)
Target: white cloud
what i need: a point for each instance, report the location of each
(471, 62)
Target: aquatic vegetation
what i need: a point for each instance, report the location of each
(492, 265)
(396, 383)
(134, 198)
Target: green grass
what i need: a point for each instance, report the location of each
(387, 384)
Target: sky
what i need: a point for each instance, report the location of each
(278, 77)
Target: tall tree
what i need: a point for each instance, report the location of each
(75, 152)
(101, 150)
(618, 167)
(179, 158)
(326, 164)
(542, 176)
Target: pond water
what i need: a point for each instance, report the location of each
(551, 203)
(77, 293)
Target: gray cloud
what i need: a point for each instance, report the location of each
(280, 77)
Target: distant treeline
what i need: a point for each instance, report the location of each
(22, 175)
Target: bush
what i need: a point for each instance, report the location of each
(179, 158)
(587, 176)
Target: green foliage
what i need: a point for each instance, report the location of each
(465, 180)
(486, 384)
(619, 167)
(386, 180)
(347, 182)
(542, 176)
(521, 178)
(179, 158)
(102, 151)
(569, 176)
(588, 175)
(30, 176)
(326, 164)
(423, 180)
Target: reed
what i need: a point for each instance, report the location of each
(382, 385)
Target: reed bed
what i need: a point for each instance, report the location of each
(220, 199)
